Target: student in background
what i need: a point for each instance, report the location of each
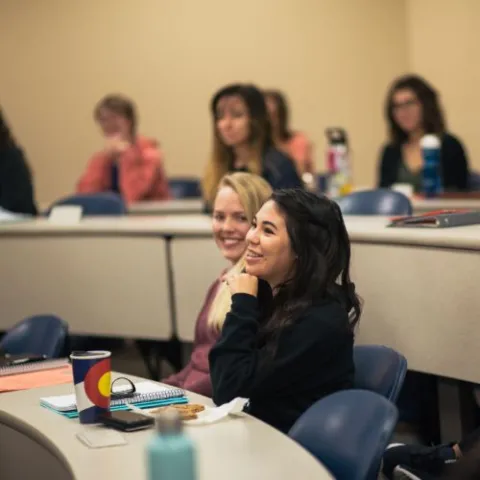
(16, 185)
(239, 196)
(288, 338)
(243, 141)
(295, 144)
(412, 110)
(129, 164)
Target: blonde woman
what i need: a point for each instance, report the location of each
(239, 196)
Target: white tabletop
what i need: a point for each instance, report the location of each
(234, 449)
(360, 228)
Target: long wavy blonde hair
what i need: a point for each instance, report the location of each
(222, 157)
(253, 192)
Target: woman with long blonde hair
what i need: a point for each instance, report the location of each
(238, 198)
(242, 141)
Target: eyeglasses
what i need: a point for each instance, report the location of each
(404, 105)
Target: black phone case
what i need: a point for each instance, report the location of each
(110, 420)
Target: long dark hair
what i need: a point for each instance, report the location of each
(433, 117)
(260, 136)
(6, 139)
(283, 113)
(320, 241)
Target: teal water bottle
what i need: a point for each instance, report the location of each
(170, 453)
(432, 177)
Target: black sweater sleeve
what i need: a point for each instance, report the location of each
(280, 171)
(239, 368)
(388, 166)
(16, 186)
(454, 164)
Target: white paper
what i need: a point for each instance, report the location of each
(65, 214)
(210, 414)
(100, 437)
(7, 216)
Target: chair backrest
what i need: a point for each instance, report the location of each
(105, 203)
(474, 181)
(348, 432)
(375, 202)
(39, 335)
(185, 187)
(379, 369)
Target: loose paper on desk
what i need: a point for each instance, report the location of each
(65, 215)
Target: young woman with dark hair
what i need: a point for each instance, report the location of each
(288, 338)
(242, 141)
(16, 184)
(412, 110)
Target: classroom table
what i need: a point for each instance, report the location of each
(146, 277)
(167, 207)
(35, 441)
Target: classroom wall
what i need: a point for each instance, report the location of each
(444, 43)
(334, 58)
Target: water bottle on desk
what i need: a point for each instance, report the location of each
(338, 164)
(170, 453)
(432, 178)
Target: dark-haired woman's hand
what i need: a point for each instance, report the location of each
(243, 283)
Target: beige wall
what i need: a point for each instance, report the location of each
(444, 45)
(334, 58)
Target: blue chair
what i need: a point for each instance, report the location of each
(348, 432)
(379, 369)
(375, 202)
(106, 203)
(185, 187)
(38, 335)
(474, 181)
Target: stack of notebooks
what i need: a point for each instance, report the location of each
(15, 365)
(24, 372)
(147, 395)
(438, 219)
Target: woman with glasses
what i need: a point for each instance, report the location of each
(413, 110)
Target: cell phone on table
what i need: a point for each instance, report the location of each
(126, 421)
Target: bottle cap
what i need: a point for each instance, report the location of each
(430, 141)
(169, 422)
(336, 136)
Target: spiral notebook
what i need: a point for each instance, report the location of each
(31, 367)
(438, 219)
(146, 393)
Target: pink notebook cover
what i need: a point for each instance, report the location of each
(43, 378)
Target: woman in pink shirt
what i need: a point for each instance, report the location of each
(295, 144)
(129, 164)
(239, 196)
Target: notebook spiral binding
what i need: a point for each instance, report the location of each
(33, 367)
(147, 397)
